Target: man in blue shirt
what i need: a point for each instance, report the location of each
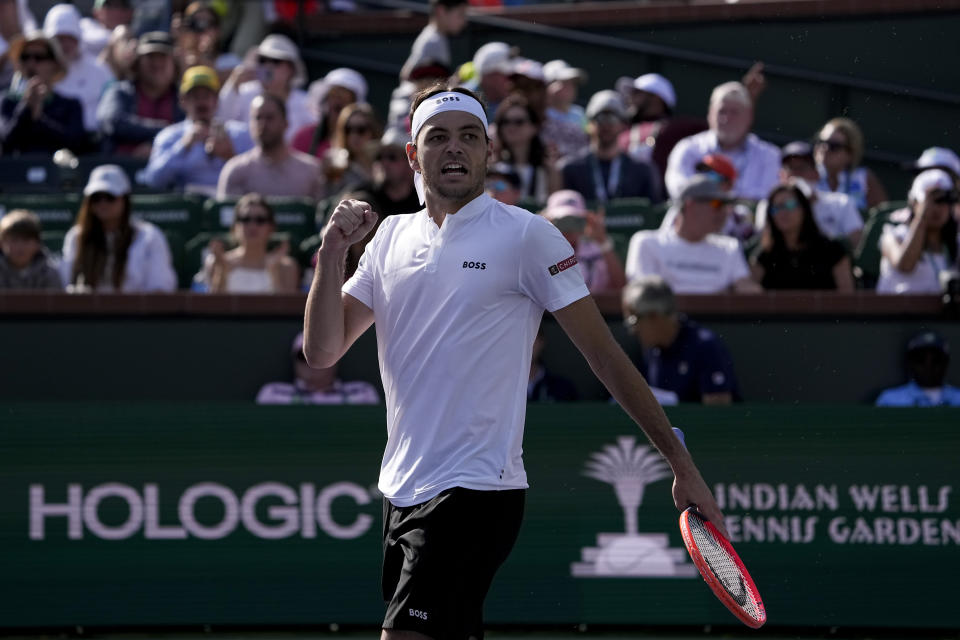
(680, 357)
(188, 155)
(928, 356)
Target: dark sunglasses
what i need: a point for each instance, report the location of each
(199, 26)
(606, 117)
(833, 145)
(789, 205)
(36, 57)
(949, 197)
(360, 130)
(498, 186)
(516, 122)
(266, 60)
(570, 224)
(102, 196)
(257, 220)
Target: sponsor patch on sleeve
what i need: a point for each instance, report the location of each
(563, 265)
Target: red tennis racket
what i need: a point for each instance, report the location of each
(721, 568)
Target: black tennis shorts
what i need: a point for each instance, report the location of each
(439, 558)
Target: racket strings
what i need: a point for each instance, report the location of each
(724, 567)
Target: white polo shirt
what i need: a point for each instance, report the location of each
(457, 309)
(709, 266)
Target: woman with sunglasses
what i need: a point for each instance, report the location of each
(839, 151)
(34, 117)
(920, 243)
(108, 250)
(517, 142)
(251, 267)
(349, 160)
(793, 253)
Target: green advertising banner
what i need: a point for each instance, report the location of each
(242, 515)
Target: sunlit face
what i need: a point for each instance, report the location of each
(833, 149)
(514, 128)
(200, 104)
(267, 123)
(563, 91)
(786, 212)
(496, 85)
(731, 120)
(452, 152)
(19, 251)
(252, 224)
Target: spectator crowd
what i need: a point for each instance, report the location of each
(212, 104)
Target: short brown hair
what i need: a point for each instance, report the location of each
(440, 87)
(20, 223)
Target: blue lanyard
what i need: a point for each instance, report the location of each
(611, 189)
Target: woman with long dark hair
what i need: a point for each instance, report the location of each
(107, 250)
(349, 160)
(793, 252)
(920, 242)
(518, 144)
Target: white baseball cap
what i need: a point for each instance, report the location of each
(657, 85)
(606, 100)
(559, 70)
(280, 47)
(348, 79)
(108, 178)
(939, 158)
(62, 20)
(565, 203)
(928, 180)
(492, 57)
(529, 69)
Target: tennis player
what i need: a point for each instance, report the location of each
(457, 292)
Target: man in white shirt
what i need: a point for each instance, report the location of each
(730, 117)
(836, 213)
(457, 291)
(86, 77)
(692, 256)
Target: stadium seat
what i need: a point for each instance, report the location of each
(866, 256)
(56, 211)
(28, 174)
(629, 215)
(295, 216)
(178, 256)
(173, 212)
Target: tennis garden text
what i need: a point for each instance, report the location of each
(269, 510)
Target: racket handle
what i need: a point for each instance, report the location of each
(680, 437)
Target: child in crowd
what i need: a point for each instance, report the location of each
(24, 262)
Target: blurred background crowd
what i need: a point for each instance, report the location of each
(157, 145)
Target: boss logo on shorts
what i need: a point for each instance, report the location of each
(474, 265)
(416, 613)
(563, 265)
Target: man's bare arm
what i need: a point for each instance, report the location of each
(334, 320)
(589, 332)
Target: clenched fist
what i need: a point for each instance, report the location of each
(350, 222)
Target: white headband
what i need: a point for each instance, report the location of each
(438, 103)
(927, 180)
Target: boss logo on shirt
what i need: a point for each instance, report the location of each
(474, 265)
(563, 265)
(416, 613)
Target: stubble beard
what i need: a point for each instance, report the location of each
(456, 193)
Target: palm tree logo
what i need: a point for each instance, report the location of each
(629, 468)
